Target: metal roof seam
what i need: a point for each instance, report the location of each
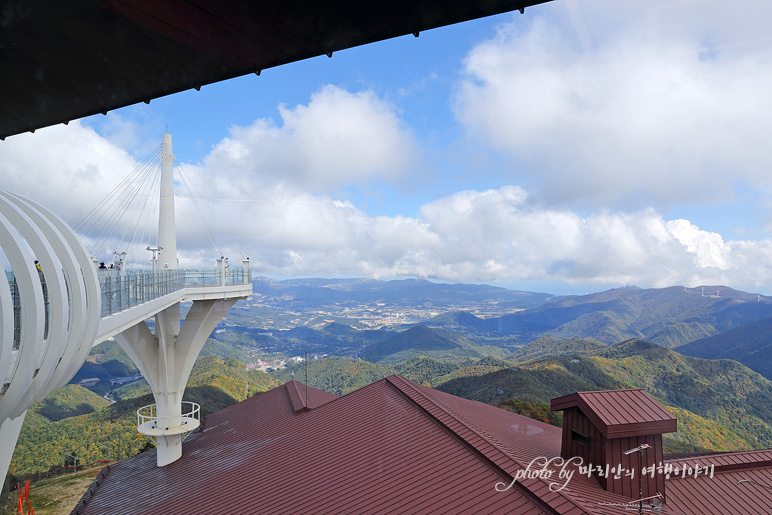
(408, 388)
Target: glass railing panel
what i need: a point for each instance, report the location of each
(16, 302)
(124, 290)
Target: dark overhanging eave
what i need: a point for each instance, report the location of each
(64, 62)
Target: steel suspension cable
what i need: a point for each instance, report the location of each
(150, 216)
(117, 190)
(118, 213)
(147, 189)
(187, 182)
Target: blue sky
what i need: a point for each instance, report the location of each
(580, 146)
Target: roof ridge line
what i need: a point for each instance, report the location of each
(295, 406)
(406, 386)
(604, 391)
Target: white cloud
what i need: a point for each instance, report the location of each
(339, 138)
(507, 234)
(67, 168)
(652, 112)
(496, 235)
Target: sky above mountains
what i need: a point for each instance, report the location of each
(579, 146)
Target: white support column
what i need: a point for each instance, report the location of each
(166, 358)
(166, 362)
(220, 271)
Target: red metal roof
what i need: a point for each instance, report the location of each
(371, 451)
(620, 413)
(392, 446)
(722, 493)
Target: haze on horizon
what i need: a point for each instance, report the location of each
(578, 147)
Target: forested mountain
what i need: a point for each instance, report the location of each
(547, 346)
(338, 375)
(420, 340)
(104, 361)
(724, 392)
(69, 401)
(750, 344)
(667, 316)
(721, 405)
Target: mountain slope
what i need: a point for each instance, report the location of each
(666, 316)
(547, 346)
(338, 375)
(724, 392)
(69, 401)
(425, 341)
(750, 344)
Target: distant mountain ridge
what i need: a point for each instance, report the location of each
(404, 292)
(665, 316)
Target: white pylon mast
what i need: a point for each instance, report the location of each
(167, 233)
(170, 383)
(166, 358)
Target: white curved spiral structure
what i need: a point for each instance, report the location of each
(49, 321)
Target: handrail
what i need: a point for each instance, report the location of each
(151, 418)
(123, 290)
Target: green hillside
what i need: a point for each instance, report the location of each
(69, 401)
(547, 346)
(734, 402)
(696, 433)
(721, 390)
(425, 371)
(426, 341)
(338, 375)
(528, 388)
(535, 383)
(341, 375)
(104, 361)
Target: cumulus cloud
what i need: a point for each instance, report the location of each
(498, 235)
(264, 185)
(636, 110)
(339, 138)
(68, 168)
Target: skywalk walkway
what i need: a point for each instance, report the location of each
(130, 296)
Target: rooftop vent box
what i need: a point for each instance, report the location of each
(601, 427)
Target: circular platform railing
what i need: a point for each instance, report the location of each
(151, 425)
